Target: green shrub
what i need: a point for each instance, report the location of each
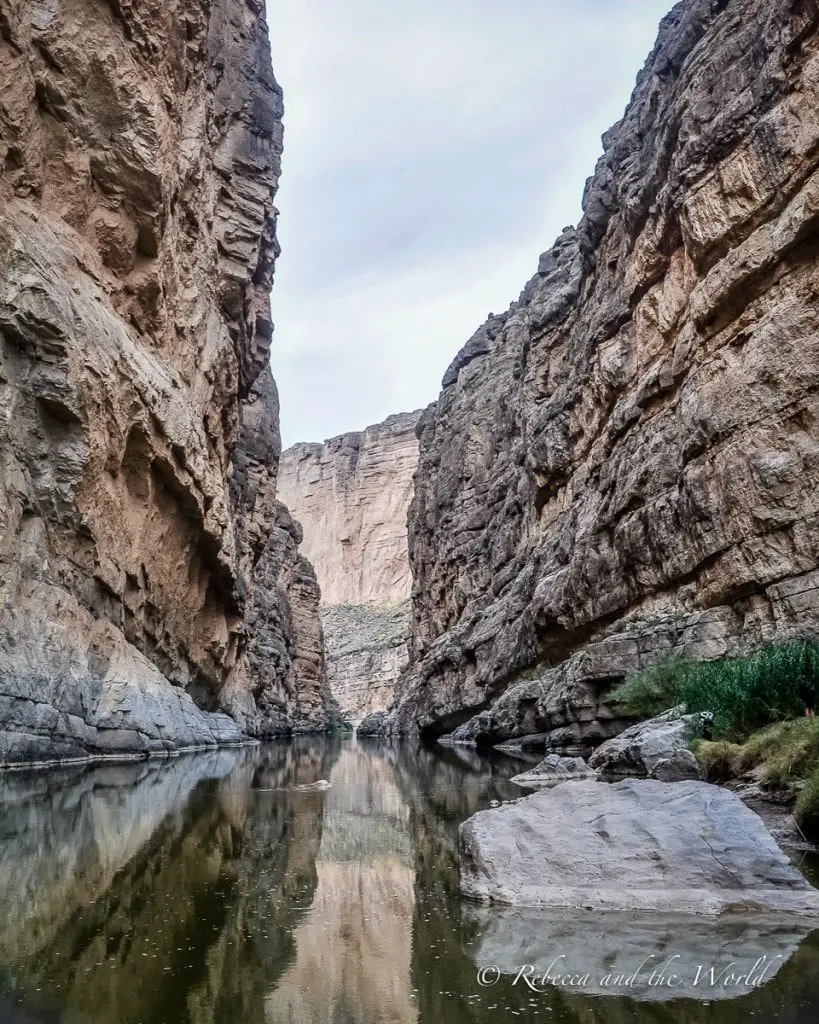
(806, 811)
(744, 694)
(748, 693)
(652, 691)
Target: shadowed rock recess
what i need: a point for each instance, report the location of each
(351, 495)
(151, 593)
(625, 463)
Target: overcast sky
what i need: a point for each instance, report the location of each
(433, 149)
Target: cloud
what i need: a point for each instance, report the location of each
(432, 151)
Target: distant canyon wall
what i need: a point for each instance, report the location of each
(624, 465)
(152, 595)
(351, 496)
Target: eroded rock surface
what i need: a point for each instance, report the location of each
(638, 845)
(351, 496)
(137, 244)
(366, 653)
(625, 463)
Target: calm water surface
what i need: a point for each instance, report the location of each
(207, 890)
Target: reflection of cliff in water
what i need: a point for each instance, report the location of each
(119, 882)
(353, 949)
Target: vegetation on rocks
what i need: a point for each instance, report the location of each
(745, 694)
(757, 711)
(784, 753)
(781, 756)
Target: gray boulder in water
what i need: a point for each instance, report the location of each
(641, 845)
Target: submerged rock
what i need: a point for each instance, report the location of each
(554, 769)
(640, 845)
(657, 748)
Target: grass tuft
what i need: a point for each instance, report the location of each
(786, 753)
(806, 811)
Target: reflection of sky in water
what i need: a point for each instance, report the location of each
(178, 893)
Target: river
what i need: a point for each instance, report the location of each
(207, 889)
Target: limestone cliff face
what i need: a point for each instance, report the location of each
(137, 244)
(351, 496)
(285, 649)
(626, 462)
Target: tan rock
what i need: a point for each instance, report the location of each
(137, 244)
(351, 496)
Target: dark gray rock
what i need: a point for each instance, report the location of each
(626, 459)
(656, 748)
(376, 724)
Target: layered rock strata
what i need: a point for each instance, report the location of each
(137, 245)
(625, 463)
(351, 496)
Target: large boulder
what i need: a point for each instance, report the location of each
(657, 748)
(642, 845)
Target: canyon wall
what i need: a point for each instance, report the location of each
(351, 496)
(146, 569)
(625, 463)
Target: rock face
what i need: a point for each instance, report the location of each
(285, 651)
(366, 653)
(625, 463)
(351, 496)
(659, 745)
(639, 845)
(137, 244)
